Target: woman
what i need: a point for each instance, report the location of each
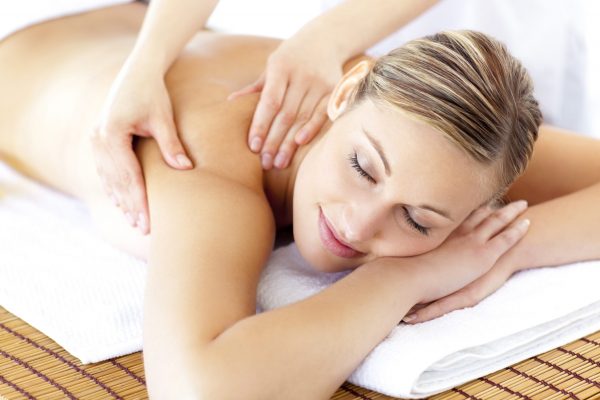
(294, 90)
(399, 177)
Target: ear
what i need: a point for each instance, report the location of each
(341, 94)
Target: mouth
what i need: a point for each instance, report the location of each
(331, 240)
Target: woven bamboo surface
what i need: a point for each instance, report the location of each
(33, 366)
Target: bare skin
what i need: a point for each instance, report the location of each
(214, 225)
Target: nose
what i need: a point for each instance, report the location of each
(361, 222)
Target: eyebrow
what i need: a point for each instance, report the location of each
(377, 146)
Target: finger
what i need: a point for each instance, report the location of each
(283, 121)
(314, 125)
(106, 187)
(123, 185)
(122, 165)
(105, 168)
(288, 146)
(255, 87)
(505, 240)
(170, 146)
(475, 218)
(500, 218)
(138, 205)
(417, 307)
(286, 152)
(454, 301)
(271, 99)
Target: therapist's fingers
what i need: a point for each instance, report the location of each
(288, 146)
(255, 87)
(135, 196)
(282, 123)
(115, 163)
(170, 145)
(307, 132)
(269, 104)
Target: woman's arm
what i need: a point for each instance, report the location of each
(212, 234)
(562, 185)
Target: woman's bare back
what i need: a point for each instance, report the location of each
(57, 74)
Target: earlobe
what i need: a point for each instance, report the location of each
(341, 95)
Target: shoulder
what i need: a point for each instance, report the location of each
(215, 138)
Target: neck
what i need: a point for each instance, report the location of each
(279, 184)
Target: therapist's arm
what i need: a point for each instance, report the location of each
(167, 27)
(304, 69)
(138, 104)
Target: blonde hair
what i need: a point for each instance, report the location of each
(468, 86)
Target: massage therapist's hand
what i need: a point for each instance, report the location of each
(467, 258)
(295, 88)
(138, 104)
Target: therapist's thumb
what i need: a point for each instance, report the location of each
(170, 146)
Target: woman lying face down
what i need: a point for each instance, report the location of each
(453, 116)
(422, 138)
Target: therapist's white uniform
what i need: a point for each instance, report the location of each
(550, 37)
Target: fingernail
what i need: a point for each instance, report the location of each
(280, 160)
(255, 144)
(409, 317)
(183, 161)
(142, 222)
(522, 203)
(130, 218)
(266, 160)
(524, 223)
(301, 137)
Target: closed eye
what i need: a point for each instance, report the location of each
(353, 158)
(418, 227)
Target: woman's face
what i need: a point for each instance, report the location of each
(383, 183)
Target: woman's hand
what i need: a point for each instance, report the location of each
(468, 296)
(138, 104)
(464, 261)
(295, 88)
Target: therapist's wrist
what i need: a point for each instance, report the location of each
(319, 37)
(148, 60)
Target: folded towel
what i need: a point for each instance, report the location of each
(535, 311)
(57, 274)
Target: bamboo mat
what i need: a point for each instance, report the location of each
(33, 366)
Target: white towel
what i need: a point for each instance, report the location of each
(59, 276)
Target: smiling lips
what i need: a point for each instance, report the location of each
(330, 239)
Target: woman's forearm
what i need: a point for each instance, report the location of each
(167, 27)
(319, 340)
(355, 25)
(563, 230)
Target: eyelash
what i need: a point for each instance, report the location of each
(353, 158)
(354, 163)
(413, 223)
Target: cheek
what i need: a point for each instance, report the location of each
(317, 182)
(408, 245)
